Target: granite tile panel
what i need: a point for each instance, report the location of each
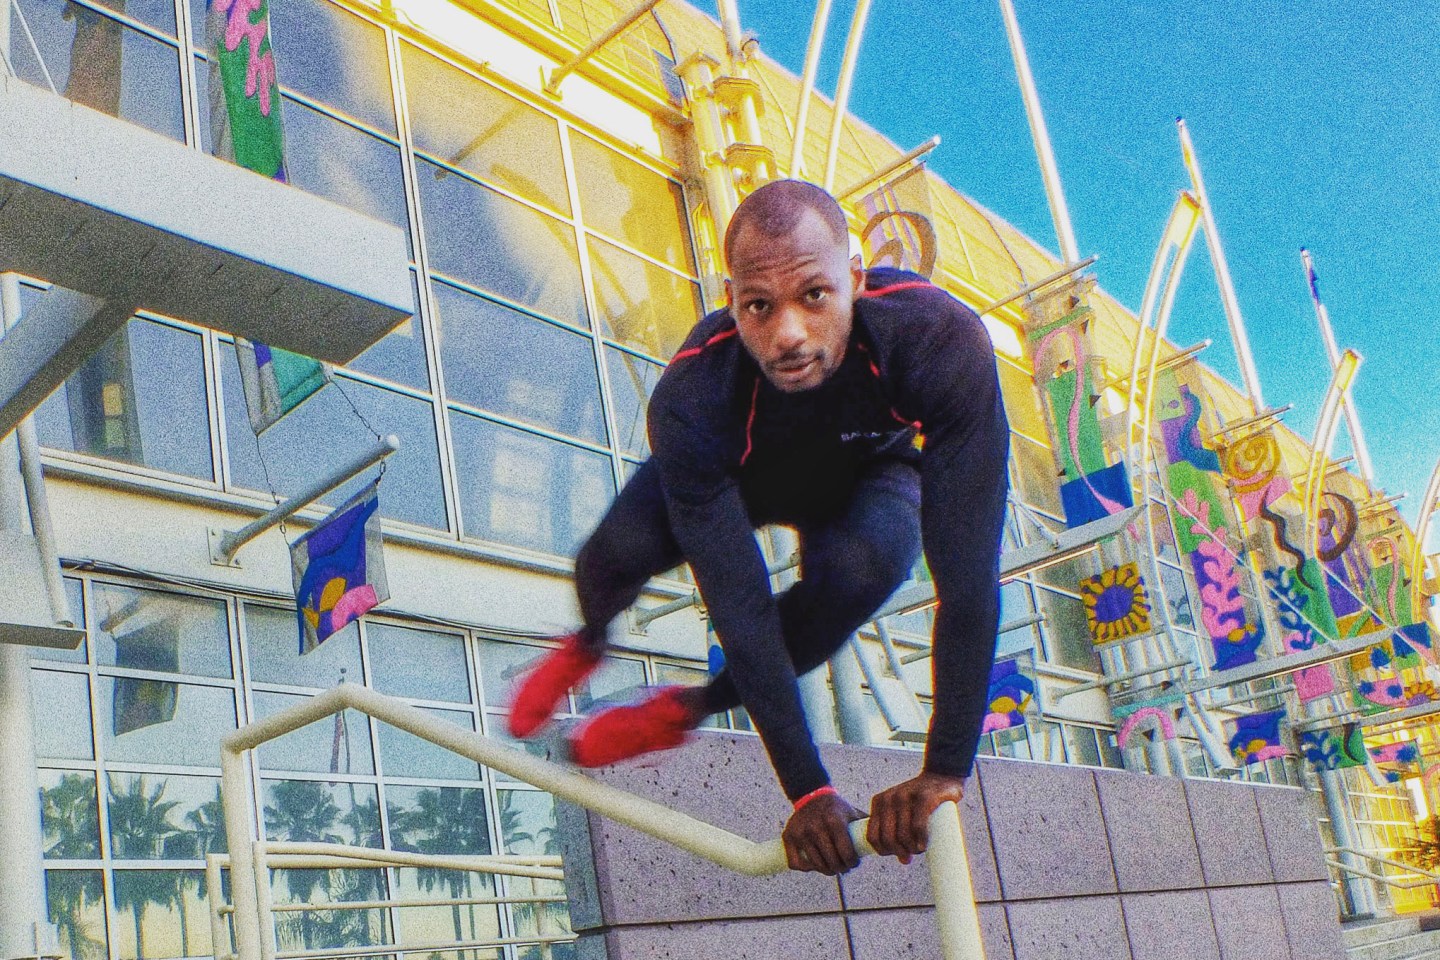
(1248, 923)
(1047, 830)
(1174, 925)
(861, 772)
(910, 933)
(1068, 928)
(1312, 921)
(641, 880)
(1290, 818)
(1228, 834)
(790, 938)
(1148, 822)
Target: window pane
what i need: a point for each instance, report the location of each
(495, 243)
(333, 57)
(621, 198)
(1080, 745)
(501, 665)
(324, 430)
(469, 124)
(325, 746)
(406, 755)
(310, 811)
(69, 815)
(439, 924)
(422, 664)
(632, 380)
(527, 826)
(1068, 638)
(61, 708)
(329, 929)
(503, 361)
(642, 305)
(164, 817)
(400, 354)
(616, 679)
(337, 161)
(159, 14)
(149, 630)
(167, 908)
(440, 820)
(526, 490)
(1036, 476)
(272, 636)
(96, 61)
(139, 399)
(154, 721)
(76, 903)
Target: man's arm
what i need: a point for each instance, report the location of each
(954, 389)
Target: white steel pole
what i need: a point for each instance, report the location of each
(1049, 171)
(842, 90)
(1248, 373)
(24, 929)
(955, 912)
(734, 39)
(1332, 350)
(807, 87)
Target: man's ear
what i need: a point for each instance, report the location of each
(857, 274)
(729, 297)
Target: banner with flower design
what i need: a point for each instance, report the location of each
(1116, 605)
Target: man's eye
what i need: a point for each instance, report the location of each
(816, 295)
(757, 306)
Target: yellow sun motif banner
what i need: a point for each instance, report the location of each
(1116, 606)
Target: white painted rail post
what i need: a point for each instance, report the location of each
(955, 912)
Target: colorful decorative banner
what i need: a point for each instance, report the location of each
(244, 91)
(1179, 414)
(1010, 693)
(1091, 497)
(898, 231)
(1198, 502)
(1257, 737)
(1414, 645)
(275, 381)
(339, 568)
(1163, 721)
(1218, 577)
(1296, 605)
(1387, 589)
(1253, 467)
(1116, 606)
(1336, 748)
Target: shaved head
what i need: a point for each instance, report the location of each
(776, 209)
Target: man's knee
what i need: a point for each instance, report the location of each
(863, 571)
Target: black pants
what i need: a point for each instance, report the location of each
(850, 563)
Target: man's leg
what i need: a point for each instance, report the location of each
(849, 567)
(632, 544)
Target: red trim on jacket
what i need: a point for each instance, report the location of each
(696, 351)
(874, 369)
(750, 423)
(895, 288)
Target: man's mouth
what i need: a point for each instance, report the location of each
(791, 368)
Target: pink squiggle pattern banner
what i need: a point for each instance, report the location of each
(260, 72)
(1163, 718)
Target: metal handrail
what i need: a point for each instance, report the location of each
(1389, 861)
(955, 911)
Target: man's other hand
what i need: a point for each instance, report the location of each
(900, 817)
(817, 838)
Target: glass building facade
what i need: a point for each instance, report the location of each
(559, 252)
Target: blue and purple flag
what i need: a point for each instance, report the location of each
(339, 569)
(1257, 737)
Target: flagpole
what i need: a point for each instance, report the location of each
(1049, 170)
(807, 88)
(1332, 350)
(842, 91)
(1222, 273)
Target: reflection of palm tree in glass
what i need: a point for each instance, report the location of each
(302, 811)
(448, 821)
(546, 919)
(71, 815)
(139, 829)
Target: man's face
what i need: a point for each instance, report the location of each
(792, 298)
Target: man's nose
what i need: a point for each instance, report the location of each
(790, 331)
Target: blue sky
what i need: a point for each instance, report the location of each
(1316, 125)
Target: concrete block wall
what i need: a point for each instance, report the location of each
(1067, 863)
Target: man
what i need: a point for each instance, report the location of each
(799, 404)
